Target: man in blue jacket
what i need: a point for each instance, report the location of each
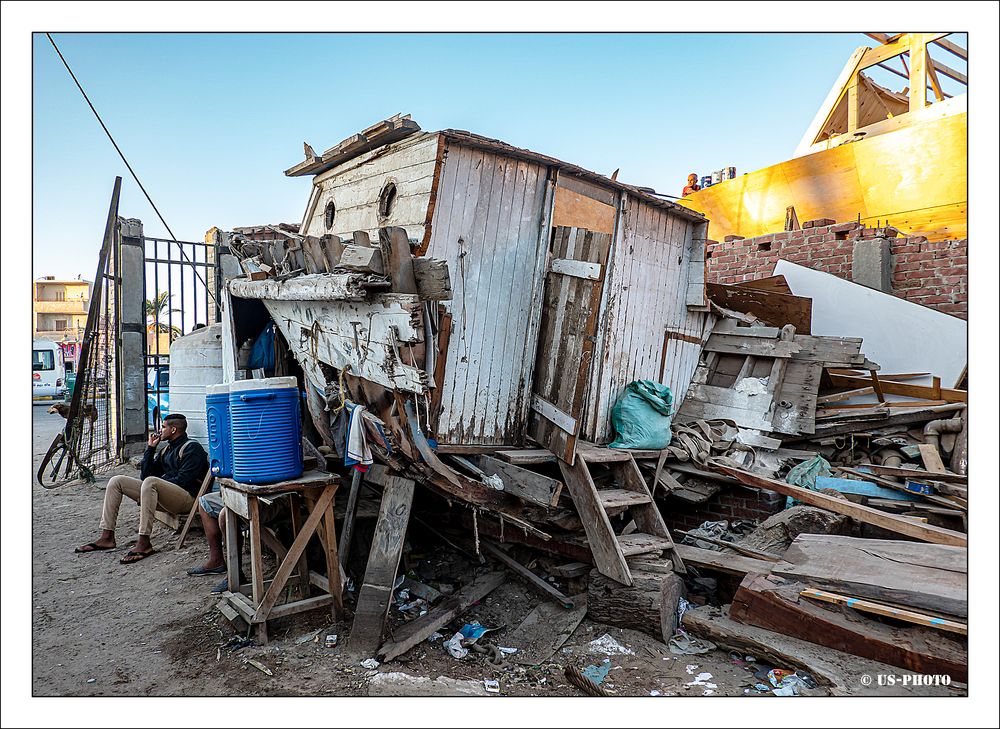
(169, 480)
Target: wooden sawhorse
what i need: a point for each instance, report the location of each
(317, 490)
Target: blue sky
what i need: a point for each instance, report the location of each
(210, 121)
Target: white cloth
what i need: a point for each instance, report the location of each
(358, 450)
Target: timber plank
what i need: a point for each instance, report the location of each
(522, 483)
(417, 631)
(926, 576)
(899, 525)
(774, 603)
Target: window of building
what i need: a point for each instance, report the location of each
(61, 295)
(60, 325)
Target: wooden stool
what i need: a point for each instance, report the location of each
(314, 489)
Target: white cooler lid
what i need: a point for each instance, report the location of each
(217, 389)
(267, 383)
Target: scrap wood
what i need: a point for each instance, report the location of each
(933, 498)
(915, 473)
(927, 577)
(877, 608)
(891, 387)
(544, 631)
(774, 603)
(748, 551)
(530, 577)
(733, 564)
(834, 669)
(924, 532)
(417, 631)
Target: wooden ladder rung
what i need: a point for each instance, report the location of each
(638, 543)
(596, 454)
(617, 498)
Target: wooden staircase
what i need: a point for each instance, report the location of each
(596, 505)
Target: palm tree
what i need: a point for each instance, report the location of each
(157, 310)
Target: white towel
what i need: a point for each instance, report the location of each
(358, 450)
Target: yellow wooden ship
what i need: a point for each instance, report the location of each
(896, 158)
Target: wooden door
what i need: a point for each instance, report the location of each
(566, 338)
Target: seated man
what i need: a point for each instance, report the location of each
(169, 479)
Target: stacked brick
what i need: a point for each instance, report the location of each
(732, 503)
(934, 274)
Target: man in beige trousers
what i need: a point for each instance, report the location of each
(169, 480)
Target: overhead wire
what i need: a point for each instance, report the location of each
(128, 165)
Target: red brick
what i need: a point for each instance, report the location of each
(818, 222)
(845, 227)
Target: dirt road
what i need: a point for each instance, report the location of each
(102, 628)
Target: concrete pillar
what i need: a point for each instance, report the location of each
(132, 336)
(871, 264)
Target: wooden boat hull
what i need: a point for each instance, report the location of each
(913, 178)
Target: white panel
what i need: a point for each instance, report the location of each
(892, 328)
(486, 225)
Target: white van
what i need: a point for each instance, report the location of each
(48, 370)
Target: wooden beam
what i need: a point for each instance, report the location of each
(890, 387)
(918, 72)
(899, 525)
(733, 564)
(867, 606)
(932, 76)
(417, 631)
(952, 48)
(530, 577)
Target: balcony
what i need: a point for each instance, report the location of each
(72, 306)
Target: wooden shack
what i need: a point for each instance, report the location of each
(565, 285)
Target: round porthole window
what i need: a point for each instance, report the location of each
(386, 200)
(329, 214)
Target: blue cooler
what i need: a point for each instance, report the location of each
(220, 441)
(266, 429)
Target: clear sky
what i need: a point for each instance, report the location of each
(210, 121)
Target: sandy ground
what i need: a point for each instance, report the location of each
(101, 628)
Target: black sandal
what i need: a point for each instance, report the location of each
(93, 548)
(132, 557)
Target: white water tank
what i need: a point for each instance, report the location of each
(195, 363)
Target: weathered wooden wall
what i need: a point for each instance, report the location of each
(488, 221)
(354, 189)
(647, 332)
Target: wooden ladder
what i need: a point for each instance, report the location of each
(611, 550)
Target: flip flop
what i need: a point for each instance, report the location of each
(194, 571)
(93, 548)
(132, 557)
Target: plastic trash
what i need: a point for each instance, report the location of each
(609, 647)
(492, 685)
(682, 644)
(598, 673)
(370, 663)
(641, 416)
(454, 646)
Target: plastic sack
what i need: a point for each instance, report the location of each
(641, 417)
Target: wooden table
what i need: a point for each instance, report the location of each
(316, 491)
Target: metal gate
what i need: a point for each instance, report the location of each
(181, 288)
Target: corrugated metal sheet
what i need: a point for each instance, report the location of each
(354, 189)
(487, 224)
(644, 298)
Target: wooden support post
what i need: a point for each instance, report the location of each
(256, 562)
(295, 504)
(349, 516)
(383, 563)
(918, 72)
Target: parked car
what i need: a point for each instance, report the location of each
(157, 395)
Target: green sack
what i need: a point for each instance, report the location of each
(641, 417)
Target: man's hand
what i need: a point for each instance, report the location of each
(154, 439)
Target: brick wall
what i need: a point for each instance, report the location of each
(731, 503)
(932, 274)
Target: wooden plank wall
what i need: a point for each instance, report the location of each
(354, 188)
(646, 327)
(487, 225)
